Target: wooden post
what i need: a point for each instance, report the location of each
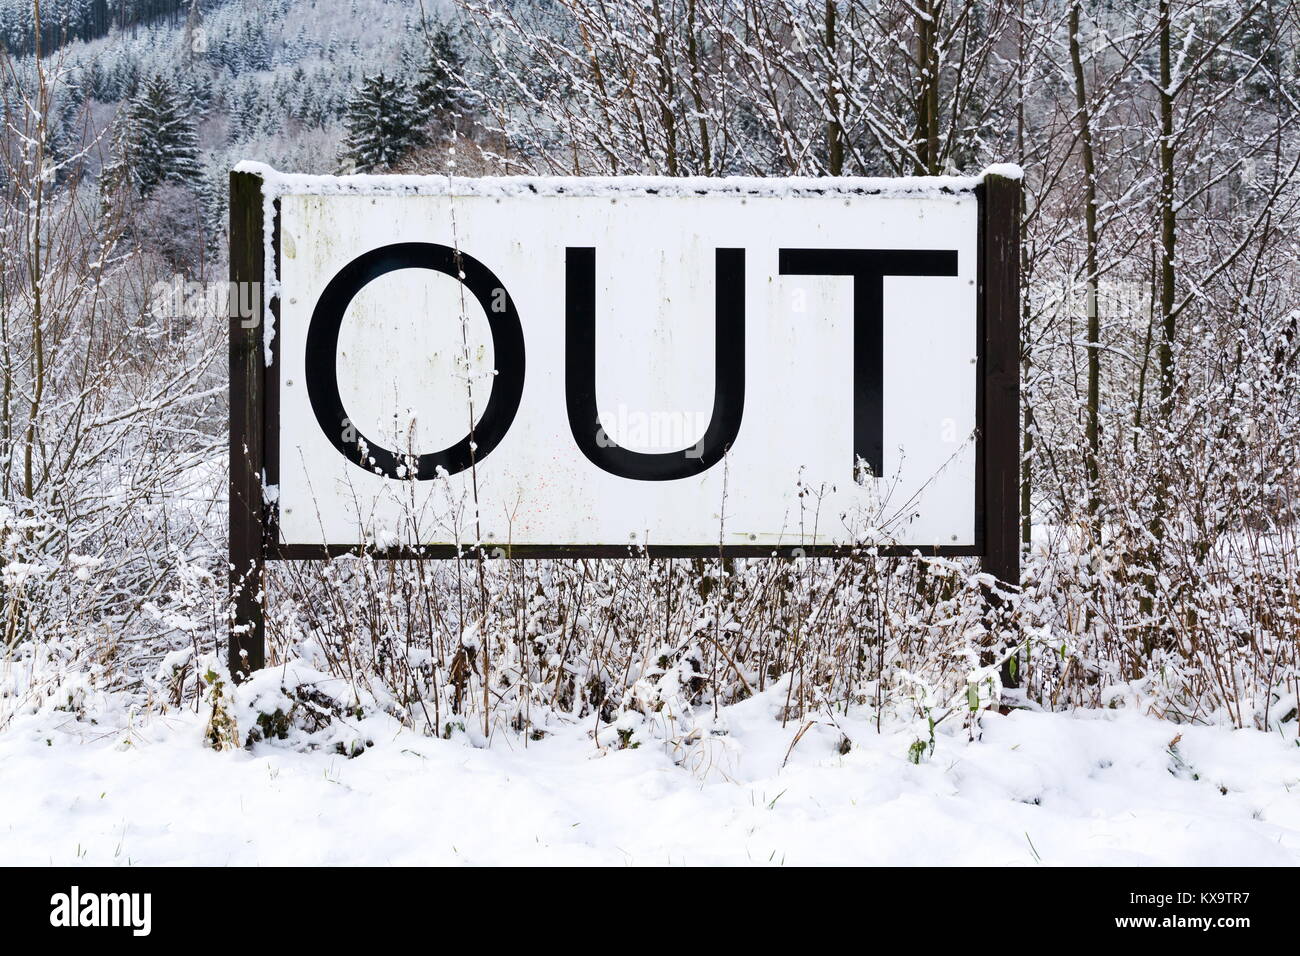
(247, 427)
(1000, 382)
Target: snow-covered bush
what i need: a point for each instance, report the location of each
(292, 706)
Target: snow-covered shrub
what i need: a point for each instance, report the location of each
(109, 418)
(292, 706)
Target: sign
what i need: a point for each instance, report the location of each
(595, 366)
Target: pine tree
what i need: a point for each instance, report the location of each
(123, 77)
(197, 90)
(253, 44)
(211, 191)
(246, 111)
(93, 80)
(163, 141)
(69, 121)
(384, 123)
(437, 88)
(118, 175)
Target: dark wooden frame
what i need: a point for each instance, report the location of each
(997, 453)
(248, 425)
(254, 436)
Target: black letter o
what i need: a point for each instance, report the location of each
(322, 362)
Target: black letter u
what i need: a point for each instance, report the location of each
(728, 376)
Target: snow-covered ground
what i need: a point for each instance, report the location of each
(1087, 788)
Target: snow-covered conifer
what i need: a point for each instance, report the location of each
(384, 123)
(438, 88)
(163, 141)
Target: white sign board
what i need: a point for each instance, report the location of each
(554, 363)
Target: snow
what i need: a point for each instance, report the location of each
(1084, 788)
(280, 184)
(271, 276)
(1005, 170)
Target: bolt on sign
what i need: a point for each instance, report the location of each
(550, 367)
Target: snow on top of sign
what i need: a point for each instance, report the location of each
(1005, 170)
(280, 184)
